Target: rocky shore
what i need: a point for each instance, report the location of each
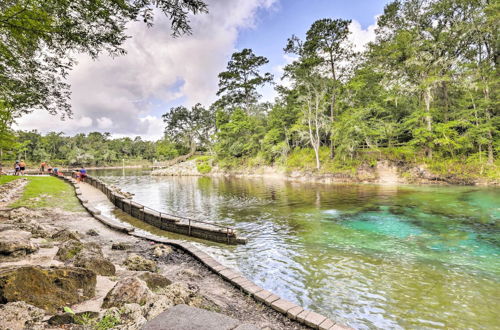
(384, 172)
(66, 270)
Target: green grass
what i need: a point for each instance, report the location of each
(48, 192)
(7, 178)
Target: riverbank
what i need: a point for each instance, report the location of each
(380, 172)
(108, 279)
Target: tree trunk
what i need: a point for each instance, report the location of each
(491, 157)
(332, 108)
(428, 118)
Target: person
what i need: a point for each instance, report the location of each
(42, 166)
(17, 168)
(22, 166)
(1, 170)
(55, 170)
(49, 169)
(82, 174)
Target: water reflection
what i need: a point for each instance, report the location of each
(367, 255)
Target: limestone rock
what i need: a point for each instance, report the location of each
(180, 293)
(65, 235)
(155, 281)
(136, 262)
(92, 232)
(99, 265)
(86, 255)
(47, 288)
(161, 250)
(128, 290)
(20, 315)
(59, 319)
(69, 249)
(120, 246)
(184, 317)
(16, 243)
(130, 316)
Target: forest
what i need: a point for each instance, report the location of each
(425, 91)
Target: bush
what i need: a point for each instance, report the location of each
(203, 164)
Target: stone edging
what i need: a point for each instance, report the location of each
(283, 306)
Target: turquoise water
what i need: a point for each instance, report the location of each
(365, 255)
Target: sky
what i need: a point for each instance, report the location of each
(127, 95)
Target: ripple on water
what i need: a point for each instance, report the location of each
(368, 256)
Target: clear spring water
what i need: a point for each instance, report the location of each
(365, 255)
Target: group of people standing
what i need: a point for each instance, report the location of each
(19, 167)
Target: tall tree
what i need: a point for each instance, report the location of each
(238, 85)
(189, 126)
(328, 39)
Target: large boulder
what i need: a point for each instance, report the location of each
(99, 265)
(183, 317)
(16, 243)
(47, 288)
(128, 290)
(20, 315)
(69, 249)
(86, 255)
(136, 262)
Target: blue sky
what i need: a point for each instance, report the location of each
(127, 95)
(274, 26)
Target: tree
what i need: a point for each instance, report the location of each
(189, 126)
(328, 39)
(39, 38)
(238, 85)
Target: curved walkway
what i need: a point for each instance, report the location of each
(90, 196)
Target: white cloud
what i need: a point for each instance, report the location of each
(123, 94)
(104, 123)
(360, 37)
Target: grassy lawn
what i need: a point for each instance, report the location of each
(7, 178)
(48, 192)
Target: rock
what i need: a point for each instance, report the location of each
(59, 319)
(100, 265)
(92, 232)
(20, 315)
(120, 246)
(130, 316)
(69, 318)
(189, 273)
(16, 243)
(24, 215)
(183, 317)
(47, 288)
(65, 235)
(155, 281)
(179, 293)
(128, 290)
(69, 249)
(161, 250)
(156, 305)
(138, 263)
(86, 255)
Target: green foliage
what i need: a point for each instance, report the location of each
(203, 164)
(48, 192)
(238, 85)
(107, 322)
(40, 38)
(67, 309)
